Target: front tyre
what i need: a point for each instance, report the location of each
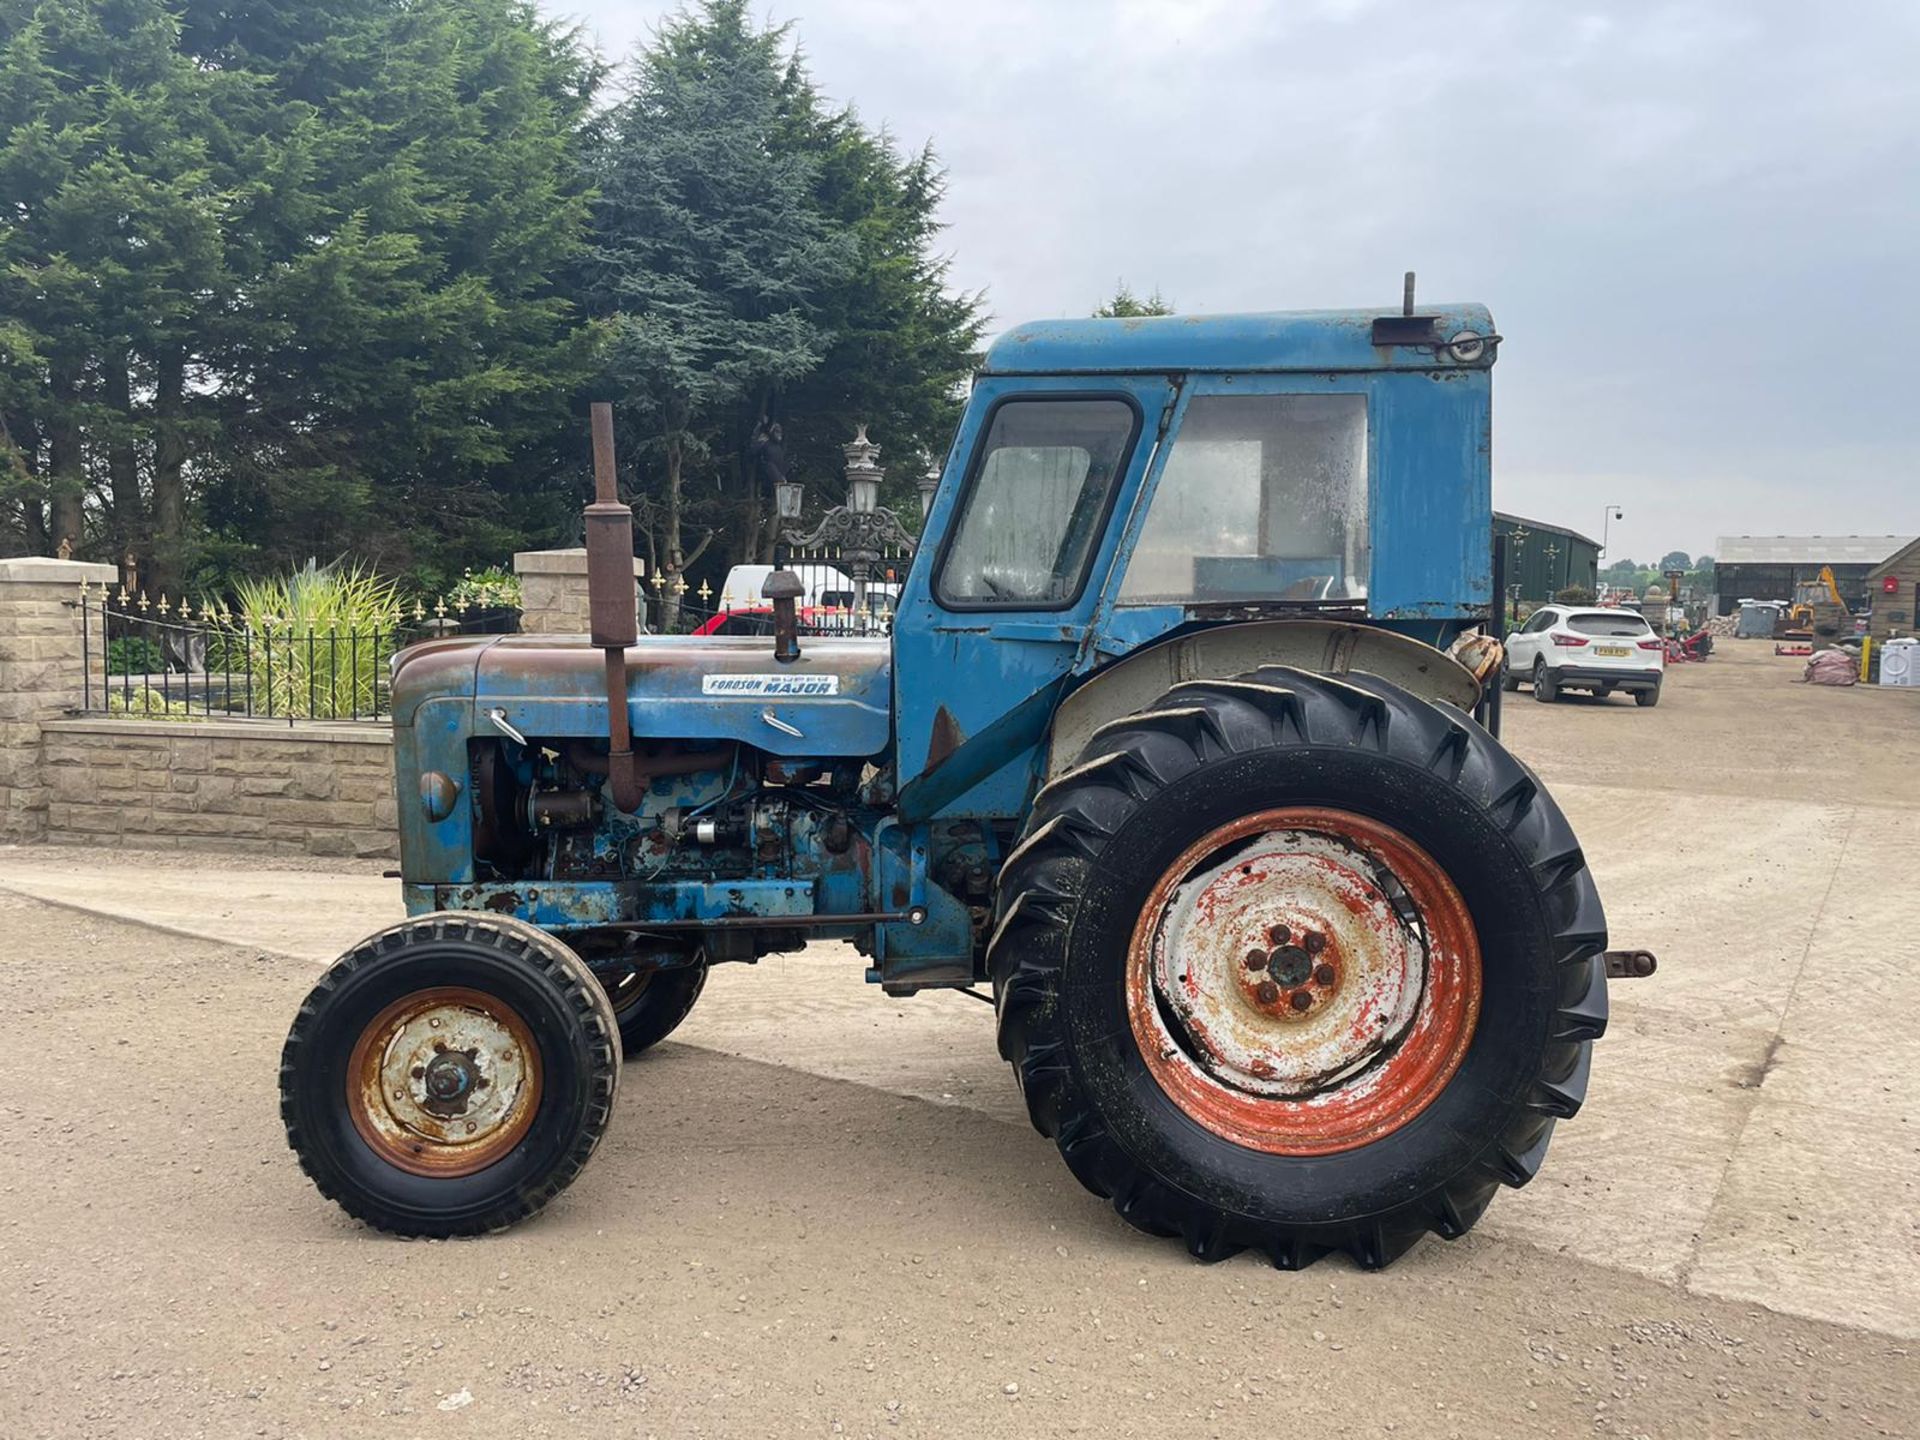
(1299, 964)
(450, 1075)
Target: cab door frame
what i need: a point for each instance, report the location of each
(975, 685)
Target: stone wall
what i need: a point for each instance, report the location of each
(40, 676)
(553, 591)
(310, 788)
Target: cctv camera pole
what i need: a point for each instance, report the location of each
(1611, 514)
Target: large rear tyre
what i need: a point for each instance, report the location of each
(649, 1004)
(450, 1075)
(1360, 990)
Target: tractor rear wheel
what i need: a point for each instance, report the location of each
(1298, 964)
(450, 1075)
(649, 1004)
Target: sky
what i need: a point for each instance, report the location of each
(1698, 225)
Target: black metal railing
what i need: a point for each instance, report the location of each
(155, 661)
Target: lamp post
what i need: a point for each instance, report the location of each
(861, 532)
(926, 485)
(863, 473)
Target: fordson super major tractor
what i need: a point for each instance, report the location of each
(1173, 743)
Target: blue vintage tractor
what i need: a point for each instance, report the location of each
(1174, 743)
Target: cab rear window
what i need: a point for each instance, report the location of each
(1618, 623)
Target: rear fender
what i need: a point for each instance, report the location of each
(1326, 647)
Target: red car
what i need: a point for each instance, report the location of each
(814, 619)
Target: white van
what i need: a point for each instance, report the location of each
(821, 585)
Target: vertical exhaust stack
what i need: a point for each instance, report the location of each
(784, 589)
(611, 607)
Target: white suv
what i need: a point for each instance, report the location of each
(1567, 647)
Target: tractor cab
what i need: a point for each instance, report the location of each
(1116, 483)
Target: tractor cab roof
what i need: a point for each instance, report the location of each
(1311, 340)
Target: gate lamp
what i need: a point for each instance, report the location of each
(863, 473)
(927, 484)
(787, 498)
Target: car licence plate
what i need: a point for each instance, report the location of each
(1612, 652)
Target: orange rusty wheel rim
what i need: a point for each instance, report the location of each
(444, 1082)
(1303, 981)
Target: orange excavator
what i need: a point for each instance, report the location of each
(1818, 610)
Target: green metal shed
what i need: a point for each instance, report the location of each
(1544, 559)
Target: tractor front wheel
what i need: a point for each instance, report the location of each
(1298, 964)
(450, 1075)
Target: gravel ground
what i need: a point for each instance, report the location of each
(776, 1253)
(828, 1216)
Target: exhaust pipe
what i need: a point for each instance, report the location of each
(611, 608)
(784, 589)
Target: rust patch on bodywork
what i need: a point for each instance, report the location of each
(946, 739)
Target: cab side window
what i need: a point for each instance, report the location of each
(1263, 497)
(1036, 501)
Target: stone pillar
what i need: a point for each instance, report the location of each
(553, 591)
(40, 675)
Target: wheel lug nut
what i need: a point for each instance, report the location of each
(1300, 999)
(1279, 934)
(1324, 974)
(1256, 960)
(1268, 993)
(1315, 944)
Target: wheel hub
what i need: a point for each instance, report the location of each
(444, 1082)
(1303, 980)
(450, 1080)
(1297, 974)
